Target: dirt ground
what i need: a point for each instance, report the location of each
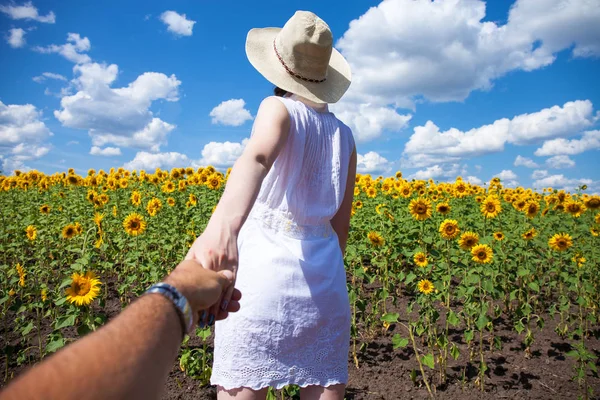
(384, 373)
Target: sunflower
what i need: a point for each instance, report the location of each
(171, 201)
(398, 175)
(420, 259)
(182, 185)
(531, 209)
(123, 183)
(490, 207)
(376, 239)
(22, 274)
(154, 205)
(460, 189)
(579, 260)
(560, 242)
(443, 208)
(45, 209)
(193, 200)
(358, 204)
(468, 240)
(593, 203)
(69, 231)
(214, 182)
(44, 294)
(449, 229)
(72, 180)
(482, 254)
(31, 232)
(168, 187)
(379, 207)
(405, 191)
(499, 236)
(574, 208)
(425, 286)
(83, 290)
(420, 209)
(594, 231)
(356, 191)
(134, 224)
(530, 234)
(371, 192)
(136, 198)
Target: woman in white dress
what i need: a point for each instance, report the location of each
(282, 224)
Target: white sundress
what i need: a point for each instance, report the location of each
(294, 323)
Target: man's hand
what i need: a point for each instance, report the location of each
(203, 288)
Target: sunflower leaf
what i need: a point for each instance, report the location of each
(54, 345)
(399, 342)
(65, 322)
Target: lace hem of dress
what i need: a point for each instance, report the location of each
(282, 222)
(232, 385)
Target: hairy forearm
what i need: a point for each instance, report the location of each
(129, 358)
(240, 193)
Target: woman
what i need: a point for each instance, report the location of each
(286, 210)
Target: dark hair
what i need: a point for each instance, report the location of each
(277, 91)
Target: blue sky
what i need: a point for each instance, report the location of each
(440, 88)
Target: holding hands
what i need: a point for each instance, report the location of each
(204, 288)
(216, 250)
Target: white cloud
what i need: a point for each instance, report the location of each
(561, 182)
(560, 162)
(508, 178)
(28, 12)
(72, 50)
(371, 163)
(230, 112)
(177, 23)
(539, 174)
(589, 141)
(474, 180)
(369, 121)
(526, 162)
(429, 141)
(119, 116)
(442, 50)
(150, 161)
(437, 171)
(220, 155)
(48, 75)
(72, 142)
(16, 38)
(22, 135)
(106, 152)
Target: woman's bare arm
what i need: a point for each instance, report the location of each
(341, 220)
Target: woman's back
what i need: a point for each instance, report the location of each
(306, 184)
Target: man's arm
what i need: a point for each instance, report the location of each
(131, 356)
(341, 220)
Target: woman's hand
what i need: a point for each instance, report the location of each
(203, 288)
(216, 249)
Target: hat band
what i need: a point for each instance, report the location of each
(294, 74)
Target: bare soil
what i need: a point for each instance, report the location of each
(384, 373)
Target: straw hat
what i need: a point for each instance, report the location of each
(300, 58)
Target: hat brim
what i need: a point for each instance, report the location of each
(260, 53)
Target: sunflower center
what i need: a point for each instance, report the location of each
(481, 255)
(81, 288)
(450, 229)
(490, 207)
(420, 209)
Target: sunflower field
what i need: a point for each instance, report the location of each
(424, 260)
